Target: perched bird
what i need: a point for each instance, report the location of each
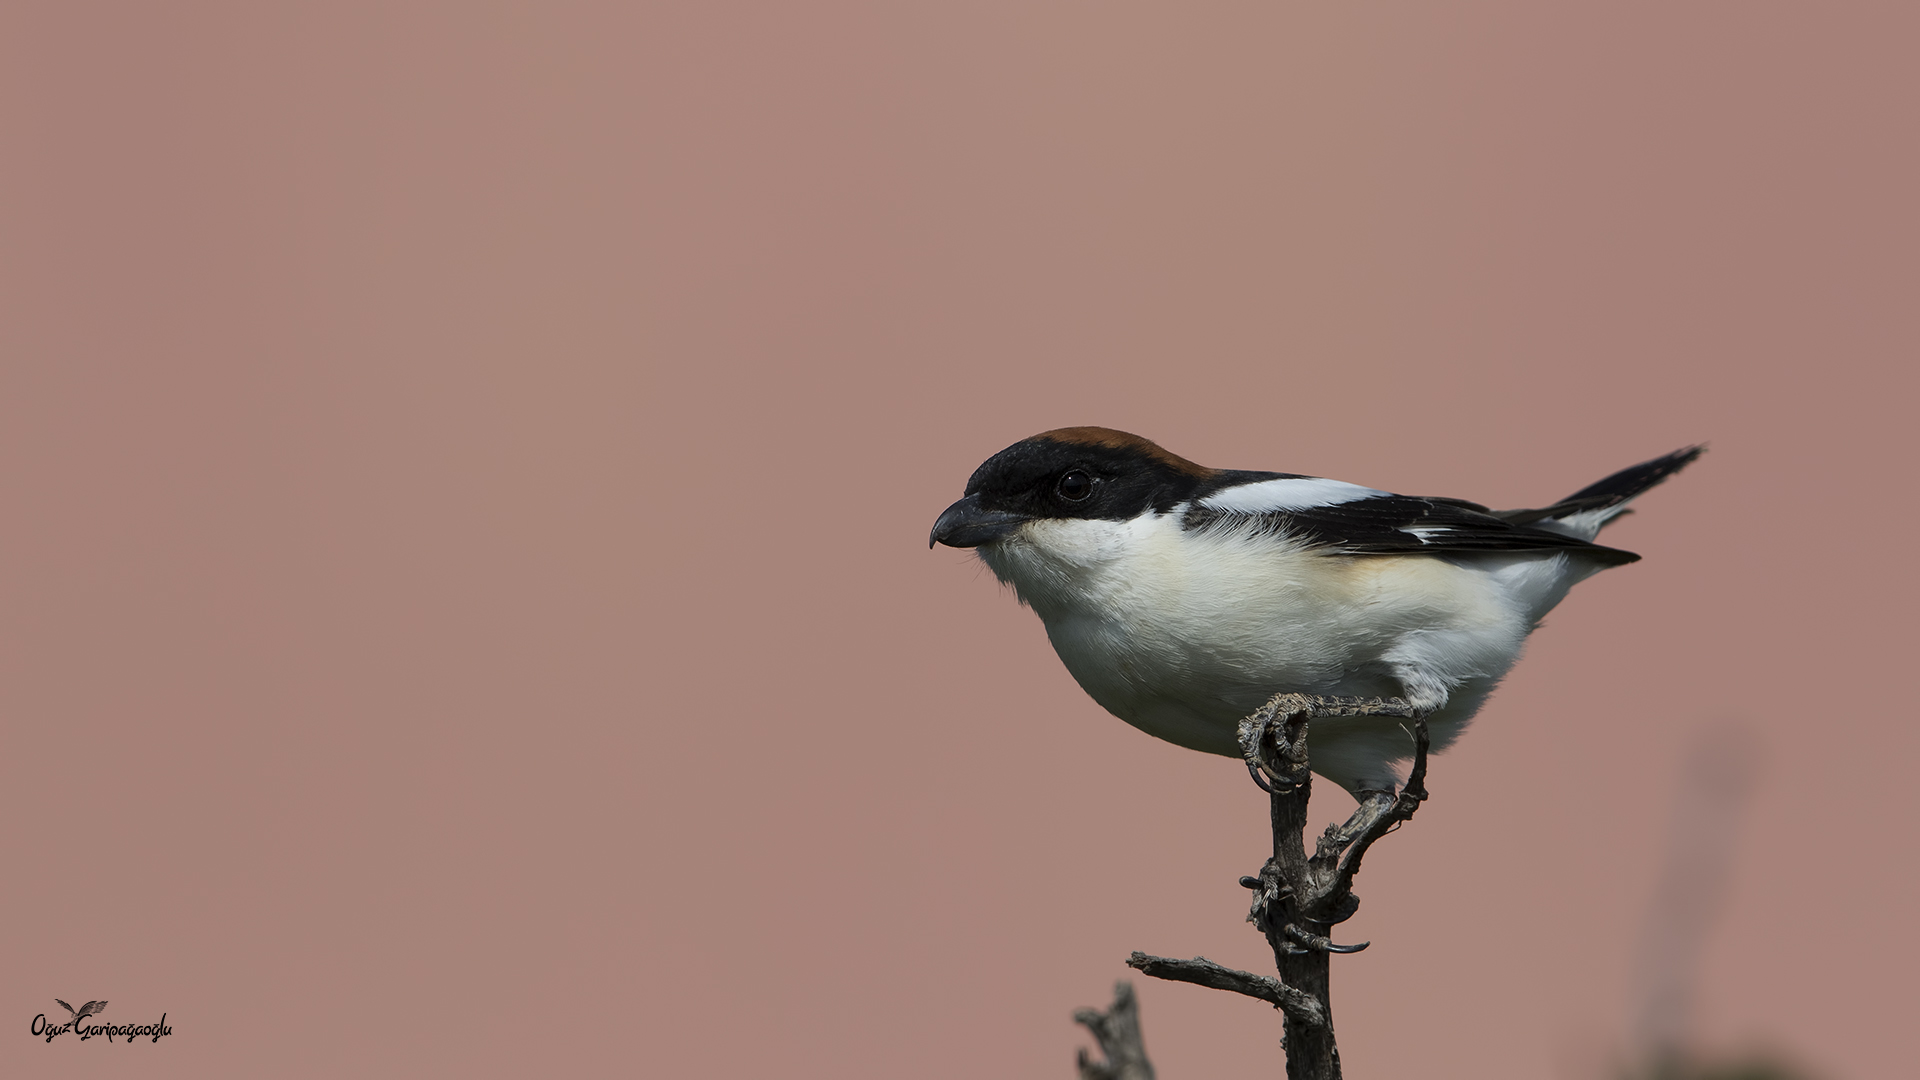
(1181, 598)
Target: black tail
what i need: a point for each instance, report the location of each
(1629, 482)
(1585, 512)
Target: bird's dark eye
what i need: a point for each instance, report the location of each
(1075, 485)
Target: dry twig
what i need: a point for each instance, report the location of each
(1298, 899)
(1118, 1032)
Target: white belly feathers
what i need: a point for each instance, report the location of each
(1183, 634)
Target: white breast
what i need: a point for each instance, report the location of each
(1181, 633)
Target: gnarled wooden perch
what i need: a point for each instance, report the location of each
(1297, 898)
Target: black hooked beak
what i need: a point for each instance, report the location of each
(967, 524)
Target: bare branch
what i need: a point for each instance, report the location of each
(1296, 898)
(1118, 1032)
(1203, 972)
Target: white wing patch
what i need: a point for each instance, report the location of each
(1425, 533)
(1293, 493)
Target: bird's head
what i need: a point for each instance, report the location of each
(1049, 514)
(1068, 474)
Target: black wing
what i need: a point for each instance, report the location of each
(1405, 525)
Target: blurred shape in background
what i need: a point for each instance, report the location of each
(1716, 783)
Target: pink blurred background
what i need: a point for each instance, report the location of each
(467, 471)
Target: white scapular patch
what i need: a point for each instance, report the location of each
(1293, 493)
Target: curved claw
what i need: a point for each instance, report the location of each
(1252, 739)
(1254, 771)
(1315, 941)
(1261, 779)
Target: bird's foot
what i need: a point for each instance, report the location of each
(1273, 737)
(1272, 741)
